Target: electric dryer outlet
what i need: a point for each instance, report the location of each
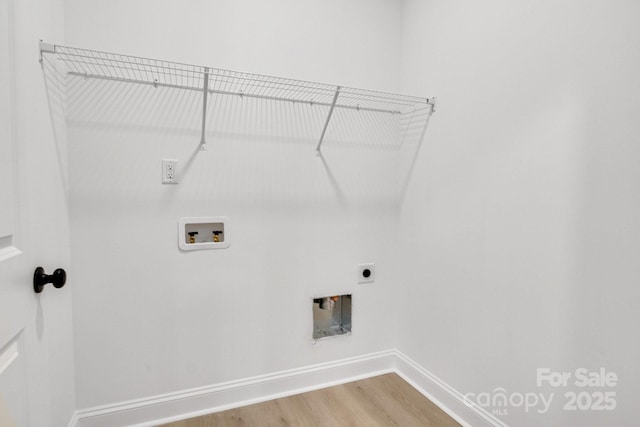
(367, 273)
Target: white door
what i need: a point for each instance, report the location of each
(36, 347)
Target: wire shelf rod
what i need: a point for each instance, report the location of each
(223, 92)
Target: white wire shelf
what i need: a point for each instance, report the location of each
(411, 113)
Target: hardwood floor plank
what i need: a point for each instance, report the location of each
(364, 393)
(339, 409)
(410, 401)
(382, 401)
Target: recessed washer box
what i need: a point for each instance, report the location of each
(196, 233)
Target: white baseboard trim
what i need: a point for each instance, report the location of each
(73, 422)
(199, 401)
(442, 394)
(184, 404)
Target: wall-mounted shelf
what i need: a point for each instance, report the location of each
(410, 113)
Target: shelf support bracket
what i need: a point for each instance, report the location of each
(46, 48)
(432, 102)
(205, 93)
(326, 123)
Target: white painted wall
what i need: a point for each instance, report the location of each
(149, 319)
(352, 43)
(520, 229)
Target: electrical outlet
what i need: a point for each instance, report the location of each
(367, 273)
(169, 167)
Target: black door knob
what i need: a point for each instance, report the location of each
(40, 278)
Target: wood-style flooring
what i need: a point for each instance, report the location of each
(382, 401)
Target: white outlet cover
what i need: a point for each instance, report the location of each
(169, 170)
(367, 273)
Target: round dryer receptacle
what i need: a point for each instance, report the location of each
(366, 273)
